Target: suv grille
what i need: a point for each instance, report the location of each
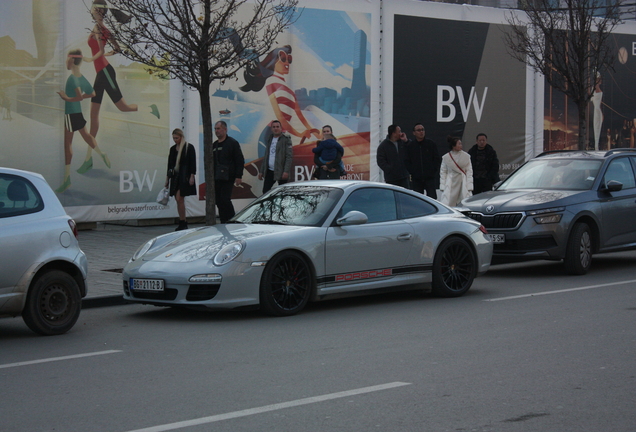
(527, 244)
(502, 220)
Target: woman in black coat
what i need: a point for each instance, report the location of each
(182, 167)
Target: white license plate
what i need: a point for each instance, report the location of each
(497, 238)
(154, 285)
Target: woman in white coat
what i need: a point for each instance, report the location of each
(456, 174)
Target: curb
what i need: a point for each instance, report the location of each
(102, 301)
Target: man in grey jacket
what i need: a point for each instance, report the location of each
(276, 165)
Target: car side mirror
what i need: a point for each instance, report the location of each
(613, 186)
(353, 217)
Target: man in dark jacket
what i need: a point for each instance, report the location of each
(391, 157)
(228, 169)
(485, 165)
(423, 162)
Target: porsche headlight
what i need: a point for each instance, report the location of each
(228, 253)
(142, 250)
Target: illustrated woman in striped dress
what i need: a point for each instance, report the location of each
(273, 70)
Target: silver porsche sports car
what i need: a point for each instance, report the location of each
(309, 241)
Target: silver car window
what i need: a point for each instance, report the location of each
(410, 206)
(18, 196)
(292, 205)
(378, 204)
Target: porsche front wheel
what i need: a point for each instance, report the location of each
(286, 284)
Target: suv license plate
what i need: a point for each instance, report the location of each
(154, 285)
(497, 238)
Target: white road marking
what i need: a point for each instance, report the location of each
(52, 359)
(562, 291)
(274, 407)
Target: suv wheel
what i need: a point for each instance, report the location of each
(578, 253)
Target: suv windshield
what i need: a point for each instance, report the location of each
(294, 205)
(563, 174)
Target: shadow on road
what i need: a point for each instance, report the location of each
(542, 268)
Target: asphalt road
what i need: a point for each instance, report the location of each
(527, 349)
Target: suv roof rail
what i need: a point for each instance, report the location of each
(620, 150)
(555, 151)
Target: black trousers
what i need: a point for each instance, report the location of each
(481, 185)
(223, 196)
(427, 185)
(404, 182)
(268, 181)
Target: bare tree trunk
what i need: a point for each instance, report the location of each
(208, 156)
(582, 107)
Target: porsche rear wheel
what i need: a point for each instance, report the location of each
(454, 268)
(286, 284)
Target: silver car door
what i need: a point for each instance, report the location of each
(377, 249)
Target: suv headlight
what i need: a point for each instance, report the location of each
(228, 253)
(555, 218)
(547, 219)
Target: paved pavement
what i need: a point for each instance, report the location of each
(108, 248)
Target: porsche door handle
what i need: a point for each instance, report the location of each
(404, 237)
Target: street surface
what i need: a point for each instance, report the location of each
(527, 349)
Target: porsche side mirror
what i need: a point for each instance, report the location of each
(353, 217)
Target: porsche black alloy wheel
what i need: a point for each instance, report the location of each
(286, 284)
(454, 268)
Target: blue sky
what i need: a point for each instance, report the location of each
(329, 34)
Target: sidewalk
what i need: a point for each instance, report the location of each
(108, 249)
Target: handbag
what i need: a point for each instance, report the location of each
(163, 196)
(222, 172)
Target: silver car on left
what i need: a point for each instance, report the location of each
(42, 268)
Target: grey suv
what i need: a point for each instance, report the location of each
(565, 205)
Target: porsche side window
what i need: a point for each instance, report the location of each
(410, 206)
(18, 196)
(378, 204)
(620, 169)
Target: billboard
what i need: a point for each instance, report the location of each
(104, 155)
(610, 115)
(456, 77)
(318, 73)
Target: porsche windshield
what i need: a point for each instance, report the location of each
(293, 205)
(563, 174)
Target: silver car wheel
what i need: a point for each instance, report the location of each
(53, 303)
